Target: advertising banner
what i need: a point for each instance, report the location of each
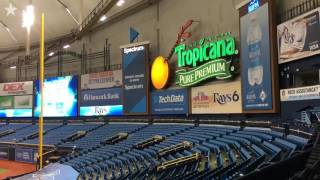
(113, 110)
(217, 98)
(170, 102)
(302, 93)
(16, 88)
(23, 102)
(101, 97)
(99, 80)
(256, 59)
(135, 78)
(24, 155)
(6, 102)
(299, 38)
(60, 97)
(4, 153)
(5, 113)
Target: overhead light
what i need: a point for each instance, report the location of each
(51, 54)
(120, 2)
(66, 46)
(13, 67)
(28, 16)
(103, 18)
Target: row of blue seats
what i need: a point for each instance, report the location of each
(234, 149)
(202, 138)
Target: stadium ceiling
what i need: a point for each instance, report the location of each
(61, 18)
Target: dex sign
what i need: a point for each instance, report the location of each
(16, 88)
(207, 59)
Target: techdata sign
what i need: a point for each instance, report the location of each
(16, 88)
(208, 58)
(302, 93)
(170, 102)
(101, 102)
(217, 98)
(135, 62)
(256, 59)
(106, 79)
(60, 97)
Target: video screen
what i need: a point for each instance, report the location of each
(115, 110)
(4, 113)
(60, 97)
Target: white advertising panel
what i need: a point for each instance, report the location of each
(16, 88)
(23, 102)
(302, 93)
(217, 98)
(106, 79)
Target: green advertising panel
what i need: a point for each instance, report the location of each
(211, 57)
(6, 102)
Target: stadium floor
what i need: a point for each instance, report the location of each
(10, 168)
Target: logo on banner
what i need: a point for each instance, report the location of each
(253, 5)
(217, 98)
(13, 87)
(171, 99)
(207, 59)
(16, 88)
(201, 100)
(108, 96)
(133, 49)
(225, 98)
(170, 102)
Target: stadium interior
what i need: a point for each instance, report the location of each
(159, 89)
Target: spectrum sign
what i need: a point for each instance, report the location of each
(205, 59)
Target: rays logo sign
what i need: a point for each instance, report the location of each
(205, 59)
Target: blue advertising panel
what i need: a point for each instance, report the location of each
(170, 102)
(24, 155)
(60, 97)
(256, 60)
(4, 113)
(113, 110)
(135, 93)
(101, 97)
(4, 153)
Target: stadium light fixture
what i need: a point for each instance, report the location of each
(66, 46)
(120, 2)
(103, 18)
(28, 16)
(13, 67)
(51, 54)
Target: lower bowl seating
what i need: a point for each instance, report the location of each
(184, 151)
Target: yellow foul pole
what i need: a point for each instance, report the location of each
(41, 91)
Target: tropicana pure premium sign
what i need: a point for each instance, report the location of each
(208, 58)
